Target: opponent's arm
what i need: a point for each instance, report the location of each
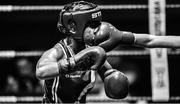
(116, 84)
(153, 41)
(108, 37)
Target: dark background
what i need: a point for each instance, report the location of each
(36, 30)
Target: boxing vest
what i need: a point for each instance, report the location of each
(71, 87)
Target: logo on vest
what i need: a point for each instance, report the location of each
(72, 76)
(76, 74)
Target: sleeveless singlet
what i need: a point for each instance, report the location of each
(71, 87)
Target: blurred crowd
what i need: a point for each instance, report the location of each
(19, 78)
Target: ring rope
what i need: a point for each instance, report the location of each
(13, 54)
(15, 99)
(139, 52)
(10, 8)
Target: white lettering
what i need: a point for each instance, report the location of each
(97, 14)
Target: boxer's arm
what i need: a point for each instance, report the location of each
(153, 41)
(47, 66)
(51, 64)
(95, 53)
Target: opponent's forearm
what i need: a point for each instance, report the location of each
(152, 41)
(165, 42)
(142, 40)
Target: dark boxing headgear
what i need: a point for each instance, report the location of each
(76, 16)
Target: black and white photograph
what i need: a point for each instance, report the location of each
(90, 51)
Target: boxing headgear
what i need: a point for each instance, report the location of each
(73, 22)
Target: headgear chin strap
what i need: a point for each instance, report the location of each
(80, 20)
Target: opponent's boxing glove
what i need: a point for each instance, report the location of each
(96, 54)
(116, 84)
(106, 36)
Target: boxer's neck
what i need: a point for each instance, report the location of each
(76, 45)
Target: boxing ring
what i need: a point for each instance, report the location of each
(10, 54)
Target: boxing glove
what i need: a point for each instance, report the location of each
(106, 36)
(116, 84)
(96, 55)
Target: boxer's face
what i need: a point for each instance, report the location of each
(89, 36)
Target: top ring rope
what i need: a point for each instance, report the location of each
(13, 54)
(25, 99)
(10, 8)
